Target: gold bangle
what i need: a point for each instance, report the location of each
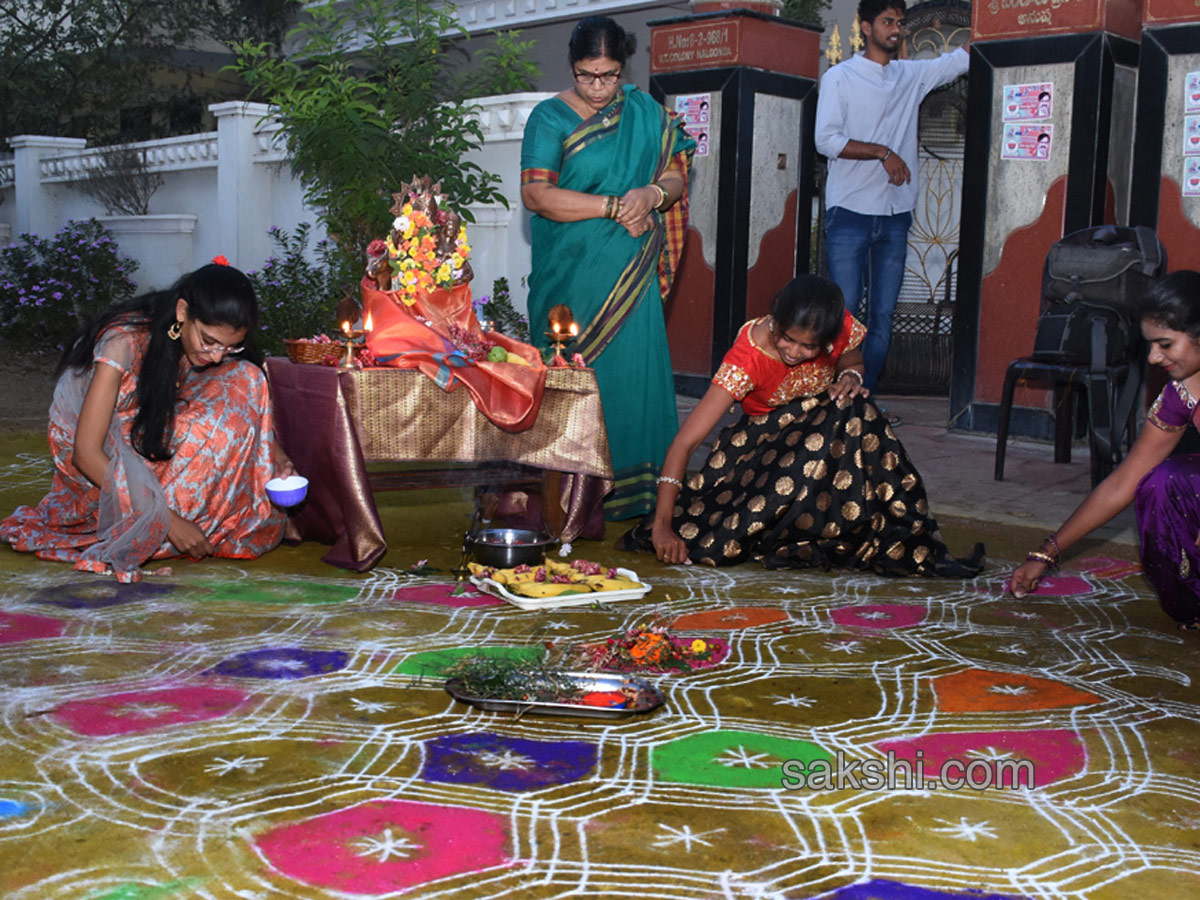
(662, 195)
(1044, 558)
(608, 207)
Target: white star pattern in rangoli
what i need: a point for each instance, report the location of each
(144, 710)
(222, 766)
(505, 760)
(740, 757)
(683, 835)
(964, 830)
(387, 845)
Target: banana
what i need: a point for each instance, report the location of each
(497, 575)
(555, 567)
(522, 577)
(518, 360)
(547, 589)
(601, 583)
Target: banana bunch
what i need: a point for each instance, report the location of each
(541, 581)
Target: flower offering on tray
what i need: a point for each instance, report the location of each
(557, 578)
(647, 647)
(498, 685)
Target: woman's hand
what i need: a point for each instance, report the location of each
(188, 539)
(640, 227)
(848, 384)
(1026, 578)
(282, 463)
(636, 204)
(668, 546)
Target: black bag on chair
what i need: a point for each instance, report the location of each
(1091, 283)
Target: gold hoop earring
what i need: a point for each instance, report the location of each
(175, 330)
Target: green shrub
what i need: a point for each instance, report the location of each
(50, 286)
(498, 309)
(298, 295)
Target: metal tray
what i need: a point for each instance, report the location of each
(648, 698)
(496, 589)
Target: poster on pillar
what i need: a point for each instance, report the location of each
(1191, 176)
(1027, 142)
(1191, 92)
(694, 109)
(1027, 101)
(1191, 135)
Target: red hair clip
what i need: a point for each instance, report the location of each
(220, 260)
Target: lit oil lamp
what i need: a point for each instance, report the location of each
(352, 334)
(563, 330)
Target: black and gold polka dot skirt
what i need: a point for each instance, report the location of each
(812, 483)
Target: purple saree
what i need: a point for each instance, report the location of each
(1168, 513)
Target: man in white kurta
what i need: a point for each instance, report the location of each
(867, 128)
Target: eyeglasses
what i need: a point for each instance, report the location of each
(215, 347)
(586, 78)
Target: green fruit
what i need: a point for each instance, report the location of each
(497, 354)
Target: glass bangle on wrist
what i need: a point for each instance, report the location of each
(662, 195)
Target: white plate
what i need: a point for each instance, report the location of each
(496, 589)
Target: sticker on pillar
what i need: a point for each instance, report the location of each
(1027, 101)
(1191, 176)
(1191, 135)
(694, 110)
(1026, 142)
(1191, 92)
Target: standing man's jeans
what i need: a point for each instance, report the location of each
(870, 251)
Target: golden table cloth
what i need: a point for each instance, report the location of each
(331, 422)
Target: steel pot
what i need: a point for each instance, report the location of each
(504, 548)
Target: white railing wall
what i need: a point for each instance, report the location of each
(223, 190)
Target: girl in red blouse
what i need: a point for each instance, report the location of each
(812, 473)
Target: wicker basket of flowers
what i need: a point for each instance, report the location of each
(315, 351)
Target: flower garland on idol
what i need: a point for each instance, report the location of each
(427, 247)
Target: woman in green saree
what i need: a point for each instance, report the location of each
(604, 172)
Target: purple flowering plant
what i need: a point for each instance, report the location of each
(298, 288)
(50, 286)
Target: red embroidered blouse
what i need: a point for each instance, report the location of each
(761, 382)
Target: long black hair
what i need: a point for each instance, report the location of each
(1174, 302)
(812, 303)
(216, 295)
(599, 36)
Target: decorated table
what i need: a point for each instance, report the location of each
(332, 422)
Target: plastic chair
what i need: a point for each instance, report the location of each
(1107, 404)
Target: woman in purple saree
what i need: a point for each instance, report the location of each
(1165, 489)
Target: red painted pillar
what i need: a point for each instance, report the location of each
(745, 81)
(1034, 172)
(1166, 170)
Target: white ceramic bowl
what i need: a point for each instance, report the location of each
(287, 491)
